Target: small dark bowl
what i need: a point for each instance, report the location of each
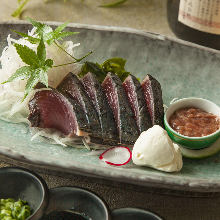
(19, 183)
(77, 200)
(133, 214)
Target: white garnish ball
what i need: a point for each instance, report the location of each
(155, 149)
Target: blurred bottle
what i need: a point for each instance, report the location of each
(197, 21)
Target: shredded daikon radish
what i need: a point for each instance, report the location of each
(85, 144)
(55, 137)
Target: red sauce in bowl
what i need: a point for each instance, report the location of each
(194, 122)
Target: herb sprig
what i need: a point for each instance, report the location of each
(49, 35)
(36, 69)
(23, 3)
(37, 64)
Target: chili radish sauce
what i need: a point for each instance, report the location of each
(194, 122)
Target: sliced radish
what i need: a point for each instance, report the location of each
(116, 156)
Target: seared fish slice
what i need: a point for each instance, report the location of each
(124, 117)
(72, 88)
(50, 109)
(96, 94)
(154, 100)
(137, 102)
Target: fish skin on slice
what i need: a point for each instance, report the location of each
(153, 96)
(96, 94)
(50, 109)
(72, 88)
(137, 102)
(124, 116)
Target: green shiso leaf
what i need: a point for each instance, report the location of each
(114, 65)
(93, 68)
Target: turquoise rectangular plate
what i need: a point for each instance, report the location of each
(182, 68)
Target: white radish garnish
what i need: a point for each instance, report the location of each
(116, 156)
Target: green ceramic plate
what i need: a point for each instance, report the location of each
(183, 69)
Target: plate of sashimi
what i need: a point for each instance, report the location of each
(66, 106)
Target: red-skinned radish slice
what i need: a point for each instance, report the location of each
(116, 156)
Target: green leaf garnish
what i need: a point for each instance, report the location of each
(113, 4)
(41, 52)
(20, 74)
(31, 39)
(37, 68)
(27, 55)
(114, 65)
(43, 77)
(32, 81)
(41, 29)
(93, 68)
(50, 35)
(61, 27)
(49, 63)
(37, 64)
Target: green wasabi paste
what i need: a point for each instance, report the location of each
(14, 210)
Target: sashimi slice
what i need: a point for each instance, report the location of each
(154, 100)
(72, 88)
(124, 117)
(137, 102)
(96, 94)
(50, 109)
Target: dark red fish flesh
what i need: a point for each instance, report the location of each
(154, 100)
(124, 116)
(137, 102)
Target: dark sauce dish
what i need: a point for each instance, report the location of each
(133, 214)
(20, 183)
(78, 202)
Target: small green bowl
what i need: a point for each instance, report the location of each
(192, 142)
